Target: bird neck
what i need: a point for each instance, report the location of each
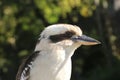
(57, 56)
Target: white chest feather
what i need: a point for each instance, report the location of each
(53, 66)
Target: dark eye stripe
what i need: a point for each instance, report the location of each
(60, 37)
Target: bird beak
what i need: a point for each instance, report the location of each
(85, 40)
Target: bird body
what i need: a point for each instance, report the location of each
(48, 64)
(51, 59)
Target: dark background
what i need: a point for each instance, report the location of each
(21, 22)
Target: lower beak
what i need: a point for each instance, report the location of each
(85, 40)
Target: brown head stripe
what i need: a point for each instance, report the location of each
(60, 37)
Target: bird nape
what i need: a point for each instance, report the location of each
(51, 59)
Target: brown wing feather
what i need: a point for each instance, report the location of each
(24, 69)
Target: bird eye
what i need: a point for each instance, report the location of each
(74, 38)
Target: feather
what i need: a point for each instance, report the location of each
(26, 66)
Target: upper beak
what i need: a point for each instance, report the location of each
(85, 40)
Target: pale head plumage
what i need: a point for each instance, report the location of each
(58, 35)
(60, 29)
(65, 35)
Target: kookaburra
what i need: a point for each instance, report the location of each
(51, 59)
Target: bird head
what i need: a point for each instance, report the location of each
(64, 35)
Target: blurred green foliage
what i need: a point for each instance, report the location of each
(21, 22)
